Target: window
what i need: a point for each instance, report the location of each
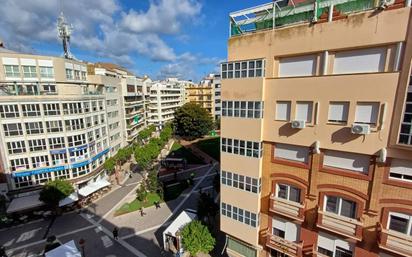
(54, 126)
(40, 161)
(338, 112)
(46, 72)
(401, 170)
(76, 140)
(243, 69)
(253, 149)
(283, 110)
(13, 129)
(12, 71)
(400, 222)
(405, 136)
(58, 159)
(347, 161)
(16, 147)
(69, 73)
(49, 88)
(29, 71)
(241, 182)
(19, 164)
(297, 66)
(34, 128)
(23, 181)
(332, 246)
(340, 206)
(76, 75)
(52, 109)
(9, 111)
(56, 142)
(31, 110)
(304, 111)
(80, 171)
(243, 216)
(72, 108)
(62, 174)
(242, 109)
(37, 145)
(367, 113)
(288, 192)
(360, 61)
(292, 153)
(42, 178)
(285, 229)
(75, 124)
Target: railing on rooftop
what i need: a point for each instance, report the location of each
(282, 13)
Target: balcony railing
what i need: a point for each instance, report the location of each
(287, 208)
(284, 246)
(341, 225)
(395, 242)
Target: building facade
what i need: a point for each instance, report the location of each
(324, 164)
(165, 98)
(201, 94)
(53, 121)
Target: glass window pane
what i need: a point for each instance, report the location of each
(294, 194)
(348, 209)
(398, 224)
(282, 191)
(332, 204)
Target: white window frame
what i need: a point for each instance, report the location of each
(9, 111)
(402, 216)
(40, 161)
(373, 119)
(37, 144)
(339, 206)
(46, 72)
(309, 111)
(12, 71)
(34, 128)
(16, 147)
(56, 142)
(342, 108)
(22, 163)
(51, 109)
(288, 189)
(54, 126)
(29, 71)
(11, 132)
(280, 107)
(31, 110)
(401, 170)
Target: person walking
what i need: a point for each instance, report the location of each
(142, 213)
(115, 233)
(157, 204)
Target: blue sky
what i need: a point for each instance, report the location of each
(160, 38)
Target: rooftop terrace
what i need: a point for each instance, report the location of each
(283, 13)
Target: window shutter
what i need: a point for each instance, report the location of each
(283, 111)
(338, 111)
(304, 111)
(403, 167)
(292, 152)
(360, 61)
(297, 66)
(367, 113)
(347, 161)
(325, 241)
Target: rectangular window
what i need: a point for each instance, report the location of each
(332, 246)
(69, 74)
(400, 222)
(288, 192)
(76, 140)
(23, 181)
(304, 111)
(16, 147)
(42, 178)
(340, 206)
(46, 72)
(292, 152)
(13, 129)
(367, 113)
(405, 135)
(297, 66)
(9, 111)
(31, 110)
(37, 145)
(58, 159)
(283, 110)
(244, 69)
(338, 112)
(34, 128)
(54, 126)
(360, 61)
(56, 142)
(40, 161)
(401, 170)
(347, 161)
(12, 71)
(52, 109)
(29, 71)
(49, 89)
(19, 164)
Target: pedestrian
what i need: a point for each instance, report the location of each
(115, 233)
(142, 213)
(157, 204)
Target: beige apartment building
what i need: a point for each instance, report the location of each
(323, 164)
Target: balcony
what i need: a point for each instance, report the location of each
(340, 225)
(284, 246)
(395, 242)
(287, 208)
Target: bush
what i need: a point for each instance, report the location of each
(197, 238)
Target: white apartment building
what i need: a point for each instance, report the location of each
(165, 98)
(53, 121)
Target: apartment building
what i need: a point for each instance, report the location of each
(131, 100)
(53, 122)
(323, 166)
(216, 101)
(165, 98)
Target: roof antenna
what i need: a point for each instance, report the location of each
(64, 31)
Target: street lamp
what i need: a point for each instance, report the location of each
(82, 242)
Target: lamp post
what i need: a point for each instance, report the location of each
(82, 243)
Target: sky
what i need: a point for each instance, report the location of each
(159, 38)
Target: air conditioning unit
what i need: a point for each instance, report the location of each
(360, 129)
(298, 124)
(383, 4)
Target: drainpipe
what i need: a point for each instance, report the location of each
(330, 14)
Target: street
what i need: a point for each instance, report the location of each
(138, 236)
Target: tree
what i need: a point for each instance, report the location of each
(110, 165)
(217, 123)
(197, 238)
(55, 191)
(192, 121)
(141, 192)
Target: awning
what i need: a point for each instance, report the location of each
(67, 250)
(184, 218)
(68, 200)
(93, 187)
(24, 203)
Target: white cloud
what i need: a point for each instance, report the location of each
(164, 16)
